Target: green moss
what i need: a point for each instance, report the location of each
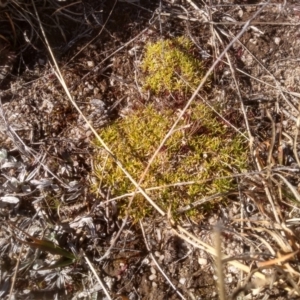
(170, 66)
(202, 149)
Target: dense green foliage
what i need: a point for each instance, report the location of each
(202, 150)
(171, 66)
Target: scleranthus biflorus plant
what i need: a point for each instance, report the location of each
(202, 150)
(171, 66)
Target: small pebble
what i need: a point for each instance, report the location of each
(202, 261)
(152, 277)
(212, 220)
(161, 258)
(232, 269)
(157, 254)
(277, 40)
(90, 64)
(96, 91)
(146, 261)
(182, 281)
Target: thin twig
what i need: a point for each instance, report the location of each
(97, 277)
(196, 242)
(157, 264)
(10, 296)
(219, 265)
